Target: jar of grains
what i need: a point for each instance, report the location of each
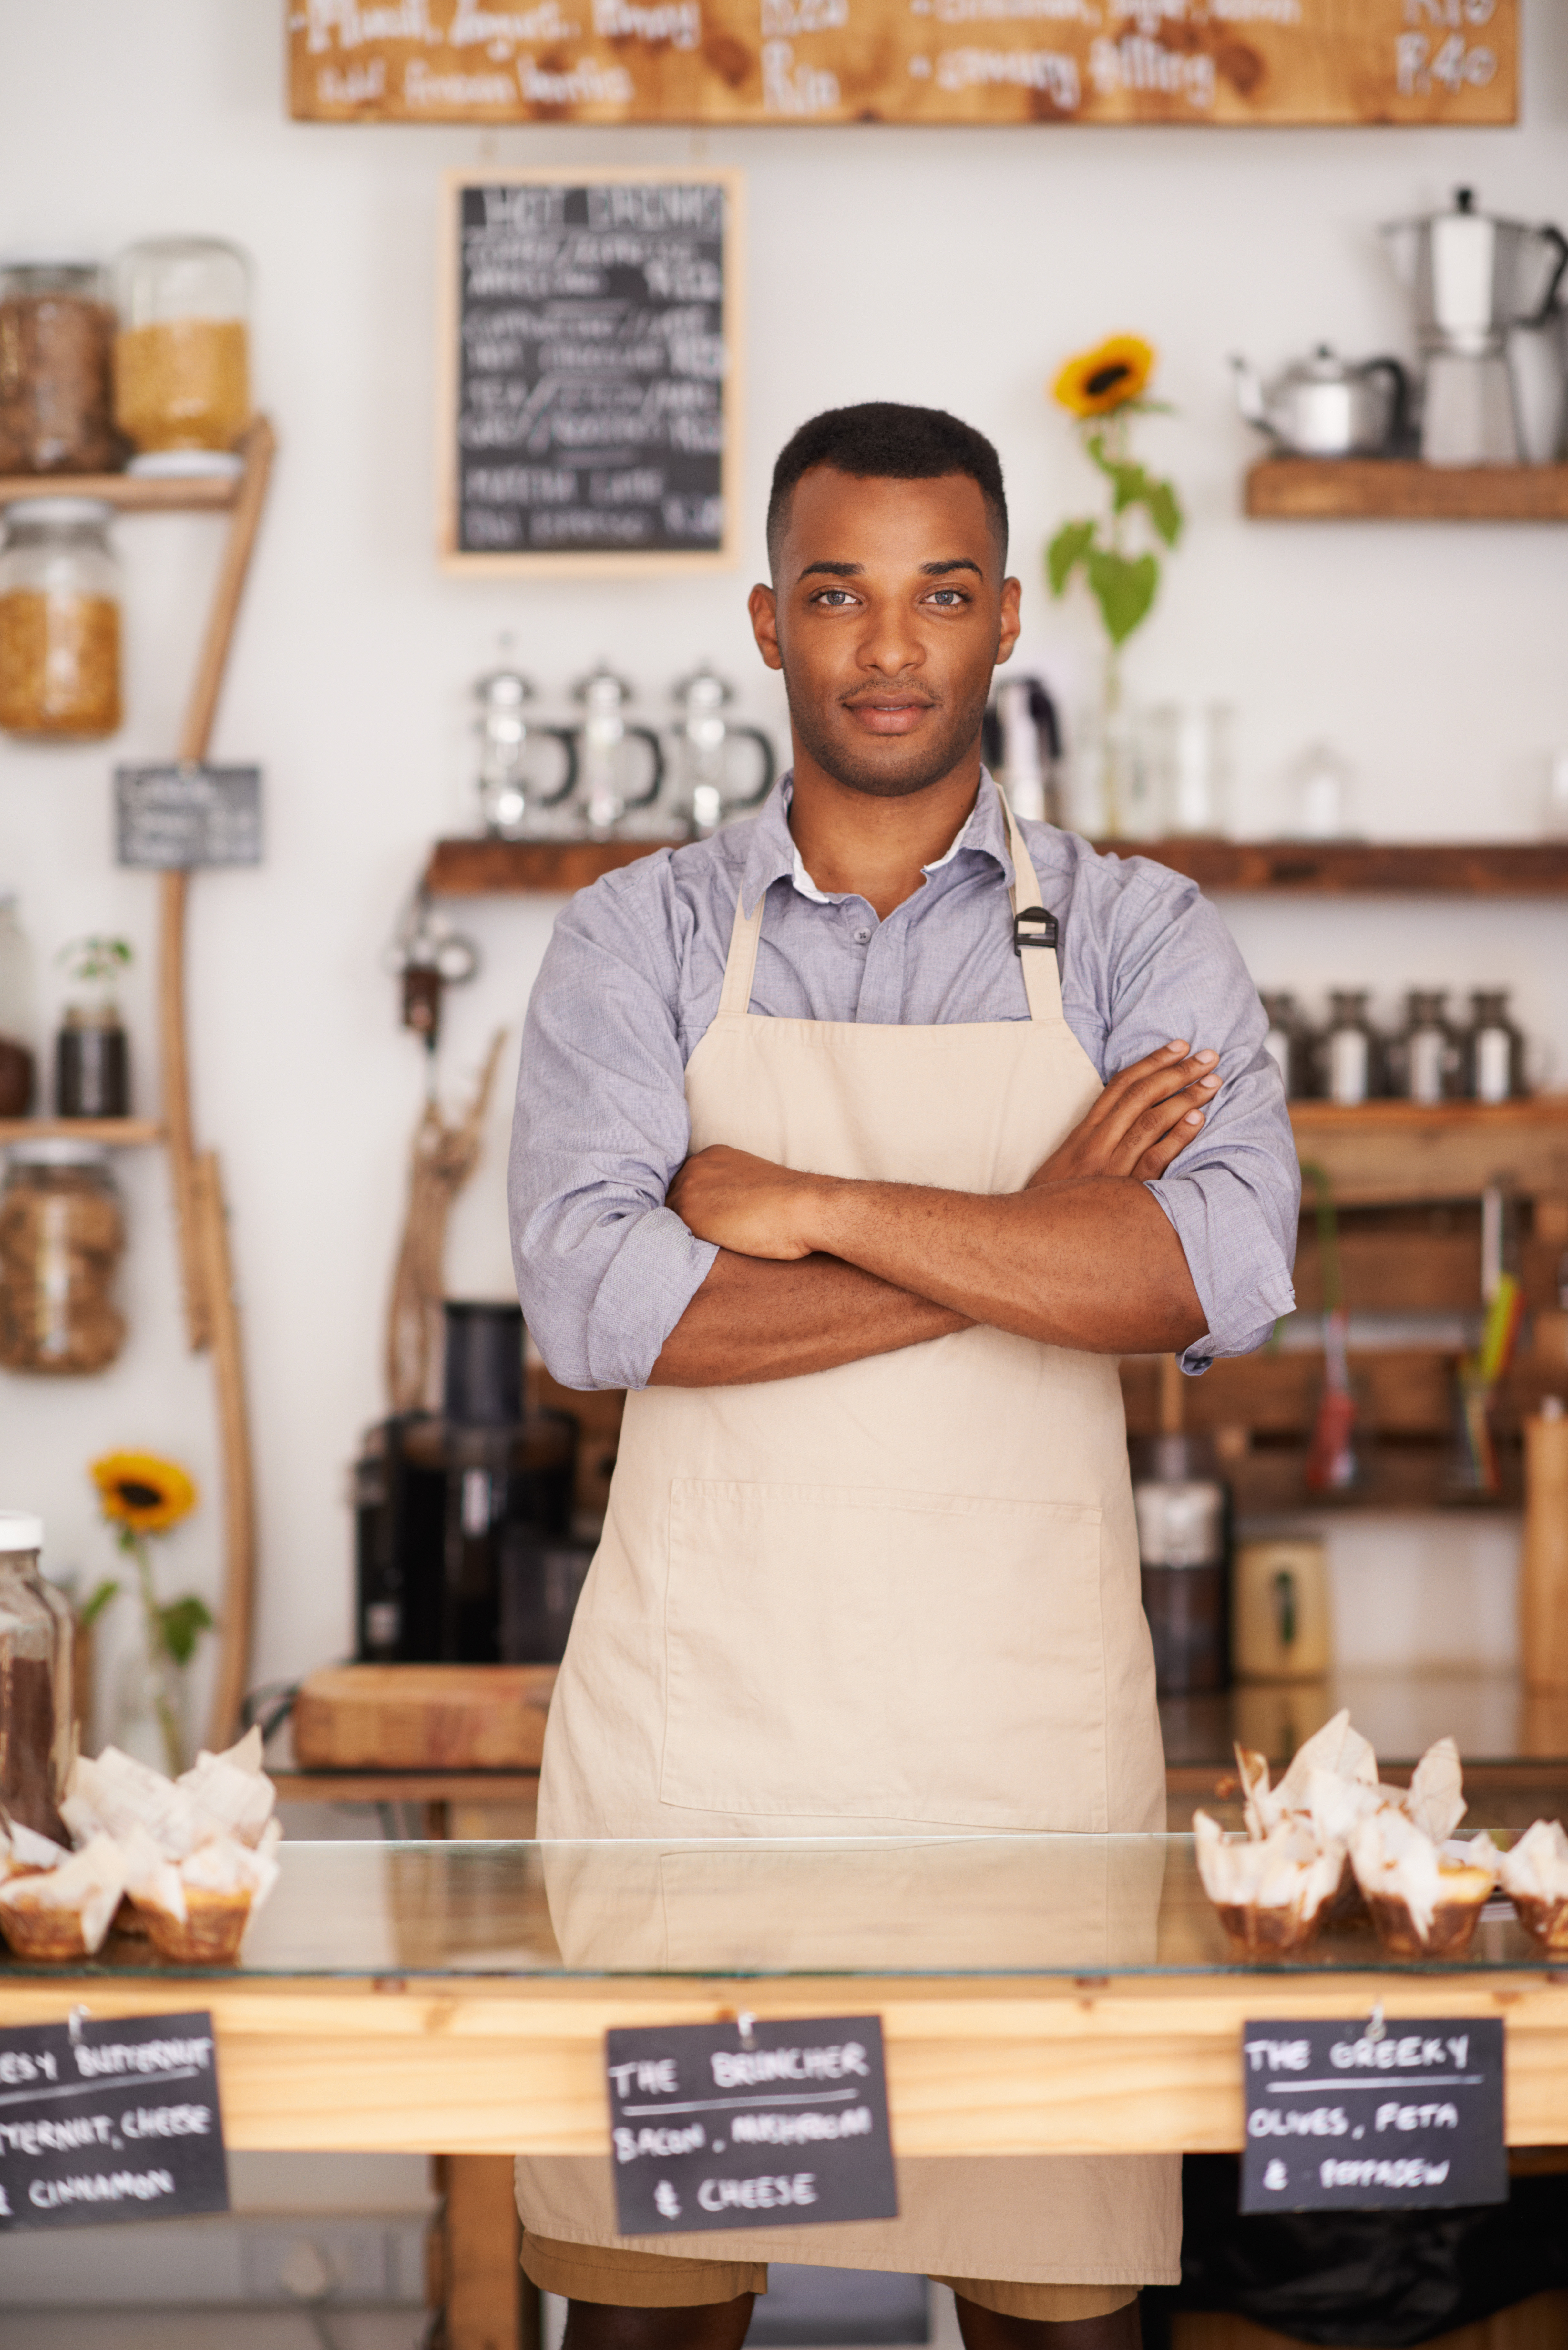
(56, 333)
(61, 1238)
(60, 620)
(37, 1713)
(181, 368)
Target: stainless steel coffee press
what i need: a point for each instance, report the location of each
(611, 795)
(702, 795)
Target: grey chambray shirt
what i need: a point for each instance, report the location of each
(631, 982)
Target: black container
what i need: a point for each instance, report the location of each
(483, 1381)
(1184, 1549)
(93, 1067)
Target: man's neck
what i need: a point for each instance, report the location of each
(854, 844)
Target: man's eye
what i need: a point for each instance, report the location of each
(834, 595)
(949, 596)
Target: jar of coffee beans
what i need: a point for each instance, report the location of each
(62, 1234)
(55, 334)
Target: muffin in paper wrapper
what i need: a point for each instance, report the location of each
(23, 1851)
(226, 1794)
(1270, 1891)
(64, 1913)
(1426, 1898)
(194, 1911)
(1534, 1875)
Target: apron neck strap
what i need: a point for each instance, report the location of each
(1035, 942)
(1042, 983)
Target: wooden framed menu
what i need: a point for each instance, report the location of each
(936, 61)
(590, 347)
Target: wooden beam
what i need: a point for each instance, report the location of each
(236, 1609)
(129, 492)
(1394, 1150)
(116, 1133)
(483, 2238)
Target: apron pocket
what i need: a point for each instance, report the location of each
(844, 1652)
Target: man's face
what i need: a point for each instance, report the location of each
(888, 614)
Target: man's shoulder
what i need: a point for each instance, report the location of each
(1104, 881)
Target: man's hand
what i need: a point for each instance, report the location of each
(1146, 1116)
(745, 1205)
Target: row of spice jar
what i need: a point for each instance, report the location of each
(1428, 1058)
(160, 370)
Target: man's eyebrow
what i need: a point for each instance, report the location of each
(835, 570)
(953, 563)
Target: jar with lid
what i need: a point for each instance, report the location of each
(56, 333)
(1493, 1050)
(62, 1234)
(1424, 1057)
(36, 1715)
(1288, 1042)
(92, 1051)
(17, 1065)
(182, 357)
(1348, 1055)
(59, 621)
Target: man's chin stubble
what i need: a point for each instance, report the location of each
(927, 761)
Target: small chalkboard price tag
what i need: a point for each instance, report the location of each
(1396, 2116)
(176, 816)
(105, 2121)
(749, 2124)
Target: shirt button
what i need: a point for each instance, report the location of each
(862, 938)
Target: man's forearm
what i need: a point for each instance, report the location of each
(756, 1318)
(1092, 1264)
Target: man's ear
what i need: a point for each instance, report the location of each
(1011, 625)
(763, 607)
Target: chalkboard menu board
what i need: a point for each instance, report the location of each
(591, 344)
(973, 61)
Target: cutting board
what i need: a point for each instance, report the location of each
(422, 1718)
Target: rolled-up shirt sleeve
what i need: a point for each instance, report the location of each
(604, 1270)
(1234, 1195)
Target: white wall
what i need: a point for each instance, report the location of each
(944, 267)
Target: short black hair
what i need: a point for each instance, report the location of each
(883, 439)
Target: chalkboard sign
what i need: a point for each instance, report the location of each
(956, 61)
(1401, 2115)
(112, 2120)
(172, 817)
(591, 341)
(749, 2124)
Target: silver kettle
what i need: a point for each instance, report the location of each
(1327, 407)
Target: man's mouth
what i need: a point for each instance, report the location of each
(892, 713)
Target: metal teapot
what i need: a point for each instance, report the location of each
(1327, 407)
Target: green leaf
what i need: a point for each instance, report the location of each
(1070, 545)
(96, 1601)
(183, 1623)
(1165, 511)
(1124, 587)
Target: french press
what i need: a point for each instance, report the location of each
(702, 798)
(611, 796)
(515, 805)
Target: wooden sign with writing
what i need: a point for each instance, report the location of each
(590, 343)
(938, 61)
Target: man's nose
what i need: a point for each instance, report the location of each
(890, 644)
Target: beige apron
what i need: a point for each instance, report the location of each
(902, 1595)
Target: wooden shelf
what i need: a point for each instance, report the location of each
(129, 491)
(1332, 869)
(1506, 868)
(120, 1133)
(1388, 1151)
(1402, 489)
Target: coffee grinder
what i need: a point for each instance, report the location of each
(465, 1517)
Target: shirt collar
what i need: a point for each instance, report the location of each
(771, 855)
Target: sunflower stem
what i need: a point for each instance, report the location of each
(157, 1655)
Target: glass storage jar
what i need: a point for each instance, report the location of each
(1492, 1049)
(56, 332)
(37, 1713)
(1288, 1042)
(61, 1238)
(59, 621)
(1348, 1054)
(181, 364)
(1424, 1057)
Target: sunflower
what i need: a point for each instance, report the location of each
(1113, 372)
(143, 1493)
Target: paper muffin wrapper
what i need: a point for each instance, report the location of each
(1260, 1931)
(209, 1934)
(44, 1931)
(1545, 1921)
(1448, 1935)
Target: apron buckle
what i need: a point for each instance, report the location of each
(1041, 930)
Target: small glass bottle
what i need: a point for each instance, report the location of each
(182, 357)
(36, 1714)
(1288, 1043)
(59, 621)
(92, 1051)
(55, 331)
(1424, 1057)
(17, 1068)
(1491, 1050)
(61, 1238)
(1349, 1052)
